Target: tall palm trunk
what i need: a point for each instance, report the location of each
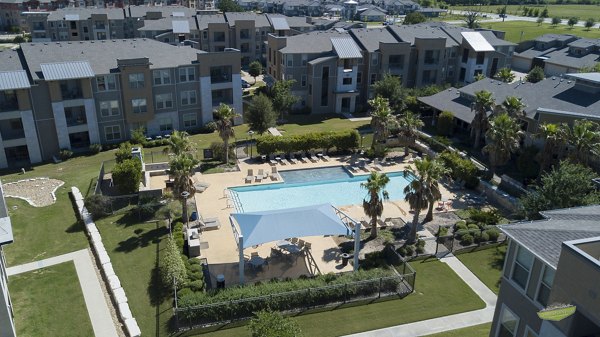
(226, 142)
(429, 215)
(406, 150)
(477, 138)
(373, 228)
(415, 224)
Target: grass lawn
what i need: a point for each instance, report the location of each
(49, 302)
(133, 249)
(439, 292)
(564, 11)
(531, 30)
(482, 330)
(486, 264)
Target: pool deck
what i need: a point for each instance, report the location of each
(219, 247)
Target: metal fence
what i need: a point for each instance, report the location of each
(398, 285)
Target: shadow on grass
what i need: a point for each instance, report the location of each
(142, 239)
(76, 227)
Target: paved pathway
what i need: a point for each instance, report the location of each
(100, 316)
(451, 322)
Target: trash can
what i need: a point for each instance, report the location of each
(220, 281)
(345, 258)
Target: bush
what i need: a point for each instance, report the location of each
(65, 154)
(410, 250)
(483, 237)
(209, 127)
(420, 250)
(98, 205)
(195, 286)
(95, 148)
(493, 234)
(146, 209)
(488, 218)
(535, 75)
(273, 324)
(445, 123)
(123, 153)
(442, 231)
(341, 140)
(472, 226)
(218, 150)
(172, 266)
(466, 240)
(401, 251)
(126, 176)
(462, 224)
(461, 168)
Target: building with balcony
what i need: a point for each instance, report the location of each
(552, 261)
(96, 92)
(6, 237)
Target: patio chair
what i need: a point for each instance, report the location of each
(312, 157)
(272, 160)
(293, 159)
(250, 176)
(325, 156)
(284, 160)
(303, 157)
(377, 166)
(274, 173)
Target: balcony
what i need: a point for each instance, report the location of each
(220, 74)
(12, 129)
(222, 96)
(396, 66)
(431, 60)
(75, 116)
(9, 103)
(39, 27)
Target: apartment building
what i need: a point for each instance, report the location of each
(6, 237)
(419, 54)
(552, 261)
(11, 11)
(90, 92)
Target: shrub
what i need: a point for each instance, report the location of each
(126, 176)
(528, 167)
(472, 226)
(218, 150)
(445, 123)
(273, 324)
(460, 226)
(493, 234)
(65, 154)
(98, 205)
(197, 285)
(420, 243)
(95, 148)
(466, 239)
(209, 127)
(410, 250)
(341, 140)
(401, 251)
(484, 237)
(146, 209)
(172, 266)
(123, 153)
(138, 136)
(535, 75)
(461, 168)
(489, 218)
(442, 231)
(420, 250)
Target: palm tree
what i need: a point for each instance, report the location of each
(584, 137)
(502, 139)
(513, 107)
(416, 193)
(225, 115)
(505, 75)
(381, 118)
(373, 207)
(182, 168)
(409, 123)
(484, 102)
(555, 138)
(178, 143)
(433, 171)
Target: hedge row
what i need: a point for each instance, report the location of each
(341, 140)
(283, 295)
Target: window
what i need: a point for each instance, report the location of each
(164, 101)
(508, 323)
(220, 74)
(187, 74)
(139, 105)
(373, 78)
(303, 81)
(347, 65)
(109, 108)
(480, 58)
(347, 81)
(465, 55)
(374, 59)
(162, 77)
(290, 60)
(165, 124)
(112, 133)
(522, 267)
(189, 120)
(136, 81)
(205, 35)
(358, 78)
(244, 33)
(106, 83)
(219, 36)
(188, 97)
(545, 286)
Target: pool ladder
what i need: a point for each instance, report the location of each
(232, 196)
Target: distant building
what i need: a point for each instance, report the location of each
(6, 237)
(552, 261)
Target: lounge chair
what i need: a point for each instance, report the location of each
(284, 160)
(377, 166)
(353, 168)
(274, 173)
(312, 157)
(272, 160)
(208, 224)
(250, 176)
(293, 159)
(303, 157)
(325, 157)
(262, 174)
(363, 166)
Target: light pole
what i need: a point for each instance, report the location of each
(185, 195)
(251, 133)
(362, 138)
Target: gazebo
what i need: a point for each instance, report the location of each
(255, 228)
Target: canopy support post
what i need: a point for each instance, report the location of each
(241, 250)
(356, 244)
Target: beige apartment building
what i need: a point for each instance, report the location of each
(96, 92)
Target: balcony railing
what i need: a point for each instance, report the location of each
(431, 61)
(396, 66)
(9, 106)
(72, 94)
(13, 134)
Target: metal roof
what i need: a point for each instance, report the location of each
(346, 48)
(179, 14)
(181, 27)
(17, 79)
(66, 70)
(477, 41)
(72, 17)
(591, 77)
(280, 24)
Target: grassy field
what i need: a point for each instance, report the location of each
(564, 11)
(490, 271)
(49, 302)
(482, 330)
(436, 284)
(532, 30)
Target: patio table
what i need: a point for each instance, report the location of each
(288, 246)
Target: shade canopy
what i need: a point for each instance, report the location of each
(267, 226)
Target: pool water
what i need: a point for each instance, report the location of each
(314, 186)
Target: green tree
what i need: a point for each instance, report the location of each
(505, 75)
(381, 120)
(445, 123)
(273, 324)
(513, 107)
(539, 20)
(415, 193)
(484, 102)
(544, 13)
(282, 97)
(414, 18)
(123, 152)
(229, 6)
(138, 136)
(589, 23)
(572, 21)
(502, 12)
(260, 114)
(556, 21)
(225, 115)
(409, 124)
(172, 267)
(373, 206)
(584, 138)
(127, 175)
(433, 171)
(554, 137)
(255, 69)
(502, 139)
(471, 18)
(479, 77)
(535, 75)
(179, 143)
(568, 185)
(182, 168)
(390, 87)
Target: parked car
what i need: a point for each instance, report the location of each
(245, 84)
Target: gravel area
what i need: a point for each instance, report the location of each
(38, 192)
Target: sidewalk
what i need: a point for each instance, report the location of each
(100, 317)
(445, 323)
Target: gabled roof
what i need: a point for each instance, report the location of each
(66, 70)
(346, 48)
(311, 43)
(477, 41)
(370, 38)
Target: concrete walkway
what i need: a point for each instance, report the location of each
(451, 322)
(95, 301)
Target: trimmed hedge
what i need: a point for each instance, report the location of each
(341, 140)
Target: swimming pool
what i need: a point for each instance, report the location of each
(313, 186)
